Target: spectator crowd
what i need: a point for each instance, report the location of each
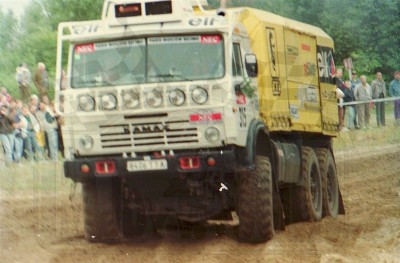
(29, 126)
(356, 98)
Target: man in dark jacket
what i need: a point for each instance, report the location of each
(6, 133)
(41, 81)
(350, 109)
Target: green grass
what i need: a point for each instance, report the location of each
(367, 138)
(389, 134)
(33, 178)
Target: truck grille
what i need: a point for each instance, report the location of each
(141, 132)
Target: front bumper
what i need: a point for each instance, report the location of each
(224, 163)
(192, 195)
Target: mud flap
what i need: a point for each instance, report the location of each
(279, 218)
(341, 204)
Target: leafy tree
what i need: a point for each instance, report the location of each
(8, 27)
(72, 10)
(8, 40)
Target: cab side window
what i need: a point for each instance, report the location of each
(237, 63)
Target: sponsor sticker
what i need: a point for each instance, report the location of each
(173, 40)
(92, 47)
(202, 118)
(305, 47)
(294, 112)
(119, 44)
(84, 48)
(210, 40)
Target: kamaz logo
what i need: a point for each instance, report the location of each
(148, 128)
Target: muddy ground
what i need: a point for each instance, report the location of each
(41, 221)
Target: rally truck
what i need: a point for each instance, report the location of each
(173, 110)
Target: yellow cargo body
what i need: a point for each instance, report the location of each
(296, 70)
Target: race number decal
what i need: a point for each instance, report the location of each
(273, 52)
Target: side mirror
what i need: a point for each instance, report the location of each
(251, 65)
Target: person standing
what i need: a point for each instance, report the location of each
(394, 91)
(41, 80)
(19, 134)
(32, 148)
(354, 82)
(363, 93)
(6, 133)
(350, 109)
(378, 86)
(47, 121)
(23, 77)
(340, 85)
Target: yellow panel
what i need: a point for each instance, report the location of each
(295, 80)
(301, 57)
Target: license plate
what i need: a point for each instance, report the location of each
(147, 165)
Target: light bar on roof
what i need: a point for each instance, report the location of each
(128, 10)
(135, 12)
(158, 8)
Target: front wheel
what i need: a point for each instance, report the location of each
(255, 204)
(101, 206)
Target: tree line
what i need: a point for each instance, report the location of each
(365, 30)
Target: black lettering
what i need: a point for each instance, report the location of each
(212, 20)
(195, 21)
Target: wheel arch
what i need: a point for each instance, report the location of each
(258, 143)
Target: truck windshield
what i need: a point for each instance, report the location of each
(148, 60)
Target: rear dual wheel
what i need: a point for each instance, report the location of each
(330, 185)
(308, 196)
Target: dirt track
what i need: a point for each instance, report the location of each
(46, 226)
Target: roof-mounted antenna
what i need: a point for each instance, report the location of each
(221, 10)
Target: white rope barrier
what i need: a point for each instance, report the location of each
(369, 101)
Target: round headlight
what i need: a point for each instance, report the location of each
(131, 100)
(177, 97)
(212, 134)
(86, 103)
(154, 98)
(86, 142)
(199, 95)
(108, 101)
